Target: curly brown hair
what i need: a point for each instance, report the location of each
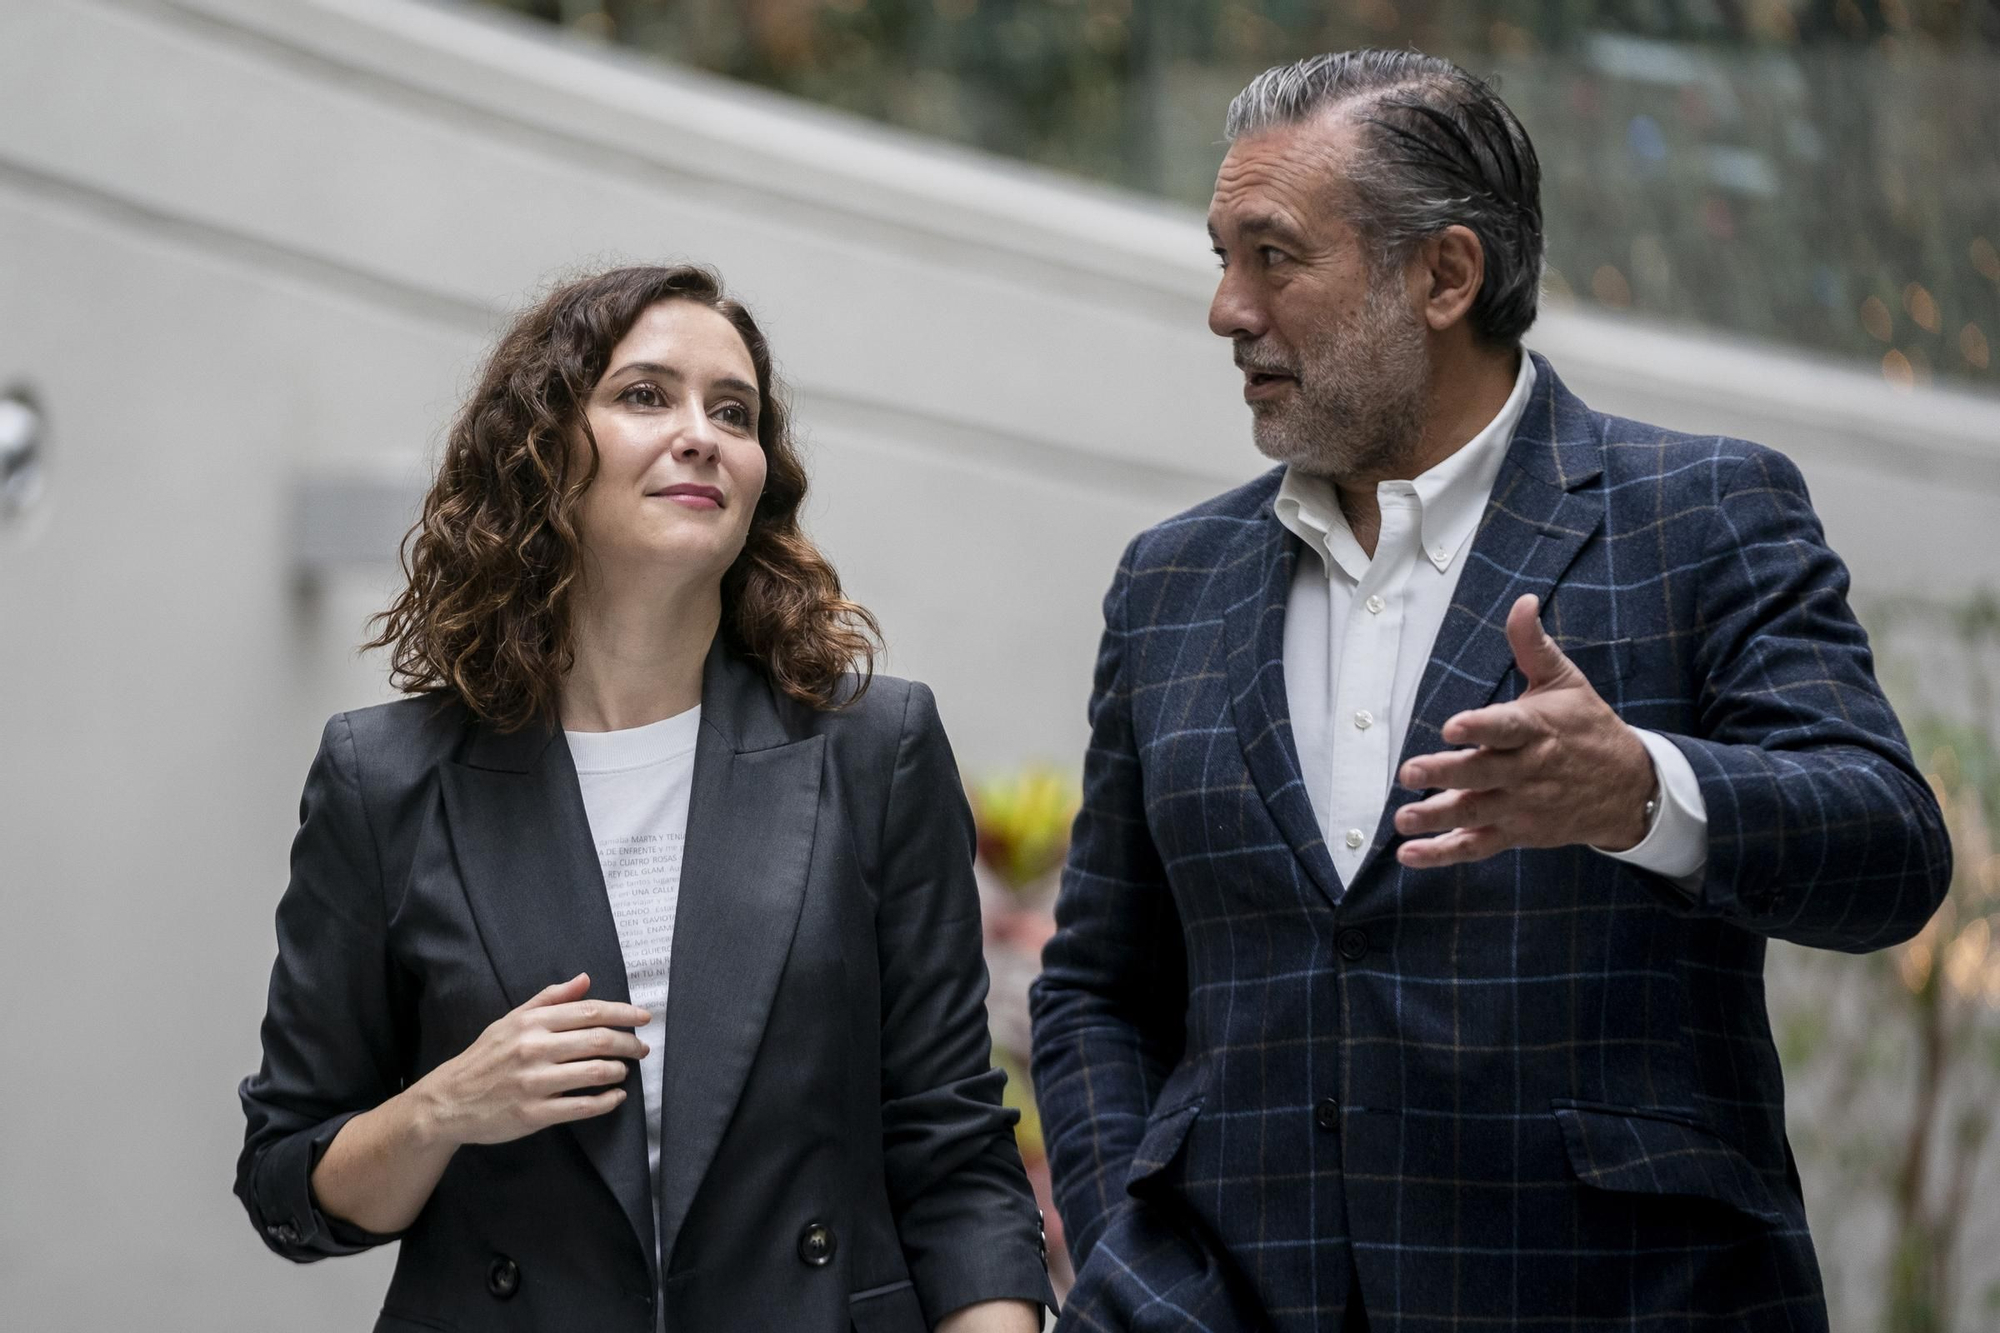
(493, 560)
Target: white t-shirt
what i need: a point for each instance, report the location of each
(635, 791)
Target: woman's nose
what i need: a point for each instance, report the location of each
(697, 443)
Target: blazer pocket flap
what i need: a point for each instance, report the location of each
(1165, 1135)
(891, 1309)
(1631, 1151)
(396, 1321)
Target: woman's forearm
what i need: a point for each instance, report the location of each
(994, 1317)
(380, 1169)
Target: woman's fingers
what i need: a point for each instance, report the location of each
(578, 1074)
(575, 1014)
(560, 992)
(558, 1110)
(518, 1076)
(591, 1043)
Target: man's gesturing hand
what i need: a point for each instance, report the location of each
(1552, 768)
(518, 1076)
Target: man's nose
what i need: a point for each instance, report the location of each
(1235, 313)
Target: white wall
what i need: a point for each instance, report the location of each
(246, 247)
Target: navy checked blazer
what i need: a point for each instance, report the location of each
(1537, 1092)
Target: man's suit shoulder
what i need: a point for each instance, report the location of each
(1695, 468)
(1206, 526)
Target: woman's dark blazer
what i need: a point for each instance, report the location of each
(834, 1147)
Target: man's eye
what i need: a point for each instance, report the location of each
(1271, 254)
(1221, 259)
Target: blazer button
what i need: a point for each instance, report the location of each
(1352, 943)
(1327, 1114)
(816, 1245)
(286, 1233)
(503, 1278)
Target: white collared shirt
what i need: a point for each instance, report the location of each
(1359, 633)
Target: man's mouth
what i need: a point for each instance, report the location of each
(1261, 382)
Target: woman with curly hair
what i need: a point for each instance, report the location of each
(629, 972)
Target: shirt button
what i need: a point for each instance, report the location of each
(1327, 1114)
(1364, 719)
(1352, 943)
(1355, 837)
(1375, 605)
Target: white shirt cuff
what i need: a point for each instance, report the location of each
(1676, 845)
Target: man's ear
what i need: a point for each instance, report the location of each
(1455, 263)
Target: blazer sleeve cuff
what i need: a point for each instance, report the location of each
(289, 1217)
(979, 1272)
(1741, 876)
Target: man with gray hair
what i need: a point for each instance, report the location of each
(1445, 784)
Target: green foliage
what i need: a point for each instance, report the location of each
(1024, 820)
(1823, 173)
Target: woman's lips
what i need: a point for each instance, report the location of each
(692, 497)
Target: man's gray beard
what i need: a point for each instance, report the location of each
(1358, 406)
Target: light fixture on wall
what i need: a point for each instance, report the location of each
(23, 453)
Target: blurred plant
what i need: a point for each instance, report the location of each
(1898, 1059)
(1951, 972)
(1024, 821)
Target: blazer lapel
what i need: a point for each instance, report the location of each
(1542, 512)
(1257, 585)
(524, 851)
(751, 823)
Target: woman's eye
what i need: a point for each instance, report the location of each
(643, 395)
(735, 414)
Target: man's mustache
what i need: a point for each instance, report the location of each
(1258, 361)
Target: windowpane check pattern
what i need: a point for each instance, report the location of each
(1534, 1093)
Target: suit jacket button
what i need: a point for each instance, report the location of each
(286, 1233)
(1352, 943)
(503, 1278)
(1327, 1114)
(816, 1245)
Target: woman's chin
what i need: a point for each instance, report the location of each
(676, 553)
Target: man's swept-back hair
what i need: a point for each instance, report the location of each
(494, 560)
(1438, 148)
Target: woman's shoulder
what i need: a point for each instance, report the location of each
(875, 705)
(877, 717)
(400, 741)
